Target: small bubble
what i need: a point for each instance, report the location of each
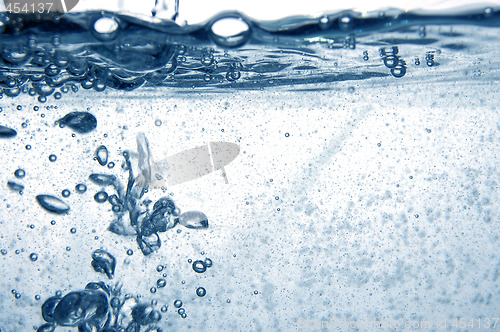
(37, 297)
(101, 197)
(208, 262)
(199, 266)
(3, 251)
(17, 296)
(379, 144)
(411, 177)
(42, 99)
(57, 95)
(73, 230)
(287, 134)
(428, 130)
(58, 293)
(181, 311)
(28, 147)
(115, 302)
(416, 216)
(32, 226)
(24, 125)
(159, 268)
(277, 198)
(52, 222)
(20, 173)
(130, 252)
(164, 308)
(184, 315)
(158, 122)
(183, 282)
(111, 164)
(36, 108)
(33, 257)
(177, 303)
(68, 248)
(190, 261)
(228, 301)
(81, 188)
(65, 193)
(256, 292)
(161, 283)
(153, 290)
(52, 157)
(19, 107)
(200, 291)
(351, 89)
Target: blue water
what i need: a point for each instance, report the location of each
(300, 175)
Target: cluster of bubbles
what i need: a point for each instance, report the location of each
(100, 308)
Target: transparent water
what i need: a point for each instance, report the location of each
(305, 174)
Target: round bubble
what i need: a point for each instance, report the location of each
(200, 291)
(199, 266)
(177, 303)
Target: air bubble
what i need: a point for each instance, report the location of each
(177, 303)
(161, 283)
(33, 257)
(200, 291)
(199, 266)
(81, 188)
(52, 157)
(20, 173)
(230, 31)
(101, 197)
(158, 122)
(105, 28)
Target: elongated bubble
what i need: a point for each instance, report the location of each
(81, 122)
(52, 204)
(193, 219)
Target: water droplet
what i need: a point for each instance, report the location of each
(181, 311)
(73, 230)
(6, 132)
(52, 222)
(177, 303)
(287, 134)
(37, 297)
(153, 290)
(159, 268)
(193, 219)
(104, 262)
(52, 204)
(3, 251)
(65, 193)
(164, 308)
(52, 157)
(256, 292)
(130, 252)
(101, 155)
(33, 257)
(101, 197)
(81, 122)
(199, 266)
(19, 173)
(183, 315)
(200, 291)
(81, 188)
